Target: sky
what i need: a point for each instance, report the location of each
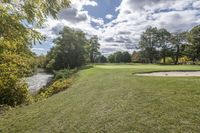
(119, 23)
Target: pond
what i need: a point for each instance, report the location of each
(37, 81)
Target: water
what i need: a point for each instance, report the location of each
(36, 82)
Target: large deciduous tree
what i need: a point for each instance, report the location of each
(163, 37)
(126, 57)
(178, 41)
(194, 42)
(69, 50)
(148, 43)
(94, 48)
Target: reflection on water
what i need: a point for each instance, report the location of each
(36, 82)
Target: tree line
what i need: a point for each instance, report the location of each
(157, 45)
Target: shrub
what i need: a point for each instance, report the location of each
(12, 68)
(24, 64)
(57, 86)
(62, 80)
(65, 73)
(184, 60)
(168, 60)
(12, 91)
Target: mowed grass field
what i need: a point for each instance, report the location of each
(111, 99)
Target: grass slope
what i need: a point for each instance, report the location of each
(109, 98)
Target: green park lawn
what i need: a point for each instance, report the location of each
(111, 99)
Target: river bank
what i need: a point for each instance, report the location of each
(38, 80)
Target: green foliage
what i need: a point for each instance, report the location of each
(193, 49)
(93, 48)
(62, 80)
(159, 43)
(148, 43)
(18, 21)
(57, 86)
(184, 60)
(12, 90)
(70, 50)
(178, 42)
(41, 60)
(111, 58)
(65, 73)
(24, 64)
(163, 40)
(136, 57)
(119, 57)
(34, 11)
(101, 59)
(168, 60)
(126, 57)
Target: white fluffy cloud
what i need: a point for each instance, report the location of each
(74, 17)
(109, 16)
(134, 17)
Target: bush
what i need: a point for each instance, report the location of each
(65, 73)
(12, 91)
(57, 86)
(168, 60)
(62, 80)
(185, 60)
(12, 68)
(24, 64)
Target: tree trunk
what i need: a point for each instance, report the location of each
(177, 55)
(91, 57)
(164, 59)
(164, 55)
(193, 59)
(151, 60)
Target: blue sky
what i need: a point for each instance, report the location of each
(119, 23)
(104, 7)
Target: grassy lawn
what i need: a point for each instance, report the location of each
(109, 98)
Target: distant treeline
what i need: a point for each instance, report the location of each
(161, 46)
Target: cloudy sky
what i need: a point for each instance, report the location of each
(119, 23)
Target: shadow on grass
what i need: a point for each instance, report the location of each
(85, 67)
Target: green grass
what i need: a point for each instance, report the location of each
(109, 98)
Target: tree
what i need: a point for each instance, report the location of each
(136, 57)
(194, 42)
(94, 47)
(18, 21)
(178, 41)
(118, 57)
(126, 57)
(69, 51)
(19, 18)
(111, 58)
(101, 59)
(163, 37)
(41, 60)
(148, 43)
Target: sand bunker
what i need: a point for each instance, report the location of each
(173, 74)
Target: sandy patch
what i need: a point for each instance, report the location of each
(173, 74)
